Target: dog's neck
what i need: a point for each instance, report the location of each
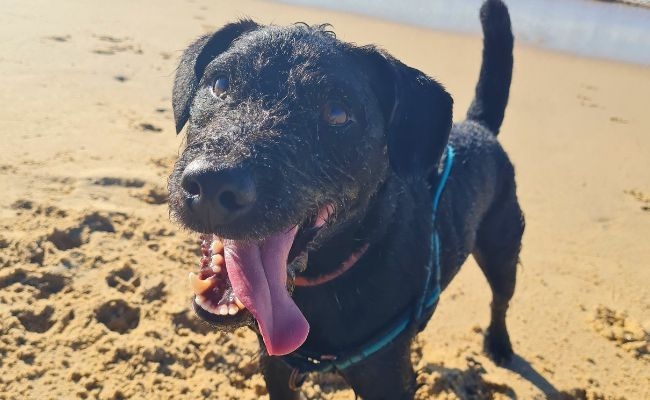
(383, 283)
(367, 226)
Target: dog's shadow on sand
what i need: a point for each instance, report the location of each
(469, 383)
(523, 368)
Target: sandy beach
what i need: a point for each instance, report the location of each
(94, 301)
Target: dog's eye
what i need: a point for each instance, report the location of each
(220, 86)
(335, 114)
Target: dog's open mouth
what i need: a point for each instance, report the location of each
(237, 279)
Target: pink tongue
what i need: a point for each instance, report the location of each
(258, 274)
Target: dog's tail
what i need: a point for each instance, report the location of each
(493, 85)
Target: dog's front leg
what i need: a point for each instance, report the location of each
(277, 374)
(386, 375)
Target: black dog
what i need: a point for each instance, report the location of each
(316, 164)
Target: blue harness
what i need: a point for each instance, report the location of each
(303, 361)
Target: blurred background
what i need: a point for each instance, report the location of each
(604, 29)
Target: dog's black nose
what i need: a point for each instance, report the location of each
(217, 197)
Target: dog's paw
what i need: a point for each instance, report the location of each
(497, 346)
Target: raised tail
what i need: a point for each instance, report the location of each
(493, 86)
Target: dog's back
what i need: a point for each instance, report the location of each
(481, 167)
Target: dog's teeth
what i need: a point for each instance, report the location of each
(222, 309)
(218, 260)
(217, 246)
(205, 304)
(200, 286)
(239, 303)
(232, 309)
(323, 214)
(200, 300)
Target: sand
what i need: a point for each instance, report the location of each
(93, 292)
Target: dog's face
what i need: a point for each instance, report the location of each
(290, 134)
(278, 109)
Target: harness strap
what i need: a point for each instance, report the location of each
(433, 266)
(304, 361)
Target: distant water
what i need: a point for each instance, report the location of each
(590, 28)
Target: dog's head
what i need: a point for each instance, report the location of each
(290, 134)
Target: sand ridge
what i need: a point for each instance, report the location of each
(94, 301)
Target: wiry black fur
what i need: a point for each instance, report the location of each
(378, 171)
(493, 85)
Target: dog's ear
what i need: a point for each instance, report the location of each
(417, 112)
(193, 62)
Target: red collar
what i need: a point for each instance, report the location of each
(302, 281)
